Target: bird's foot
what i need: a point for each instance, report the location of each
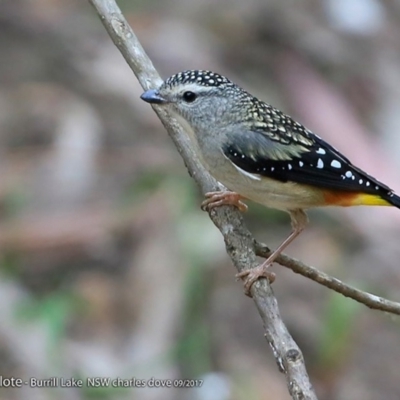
(252, 275)
(216, 199)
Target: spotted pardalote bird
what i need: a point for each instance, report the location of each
(261, 154)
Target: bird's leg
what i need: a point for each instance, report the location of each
(299, 221)
(216, 199)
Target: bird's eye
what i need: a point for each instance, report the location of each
(189, 97)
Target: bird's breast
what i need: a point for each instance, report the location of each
(266, 191)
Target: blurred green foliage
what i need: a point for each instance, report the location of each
(53, 311)
(339, 322)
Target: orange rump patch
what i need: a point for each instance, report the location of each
(347, 199)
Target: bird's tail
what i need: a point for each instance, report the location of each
(393, 200)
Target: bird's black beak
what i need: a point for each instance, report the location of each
(153, 97)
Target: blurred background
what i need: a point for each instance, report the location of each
(108, 268)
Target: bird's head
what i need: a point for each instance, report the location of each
(200, 97)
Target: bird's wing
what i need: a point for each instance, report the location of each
(290, 152)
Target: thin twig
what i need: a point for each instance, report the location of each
(238, 240)
(368, 299)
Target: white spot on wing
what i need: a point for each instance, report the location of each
(301, 163)
(348, 174)
(248, 174)
(320, 164)
(289, 166)
(336, 164)
(321, 151)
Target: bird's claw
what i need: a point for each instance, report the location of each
(250, 276)
(216, 199)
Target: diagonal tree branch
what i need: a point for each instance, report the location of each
(368, 299)
(238, 240)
